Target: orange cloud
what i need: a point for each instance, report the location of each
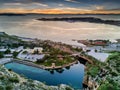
(66, 10)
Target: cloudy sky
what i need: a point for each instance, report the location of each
(60, 6)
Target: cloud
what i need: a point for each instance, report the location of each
(74, 1)
(41, 4)
(64, 10)
(99, 7)
(60, 10)
(25, 4)
(61, 5)
(115, 9)
(12, 4)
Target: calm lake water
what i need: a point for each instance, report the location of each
(72, 76)
(28, 26)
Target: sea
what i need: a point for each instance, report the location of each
(60, 31)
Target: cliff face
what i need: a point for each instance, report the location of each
(12, 81)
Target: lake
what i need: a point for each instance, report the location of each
(72, 76)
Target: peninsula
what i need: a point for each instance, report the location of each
(83, 19)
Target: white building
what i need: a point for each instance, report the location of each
(30, 56)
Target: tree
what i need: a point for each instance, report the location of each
(7, 51)
(9, 87)
(95, 50)
(1, 55)
(15, 54)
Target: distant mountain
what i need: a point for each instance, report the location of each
(83, 19)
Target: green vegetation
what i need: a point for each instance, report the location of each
(9, 87)
(15, 54)
(1, 87)
(107, 74)
(113, 78)
(107, 86)
(1, 55)
(48, 60)
(68, 88)
(56, 56)
(7, 51)
(93, 70)
(14, 79)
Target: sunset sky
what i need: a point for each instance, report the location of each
(60, 6)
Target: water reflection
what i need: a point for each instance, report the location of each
(57, 31)
(52, 77)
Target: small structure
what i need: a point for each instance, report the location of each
(39, 49)
(53, 65)
(8, 55)
(32, 51)
(60, 57)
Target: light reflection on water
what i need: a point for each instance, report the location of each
(57, 31)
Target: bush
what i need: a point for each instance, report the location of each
(93, 71)
(14, 79)
(1, 88)
(68, 88)
(8, 87)
(7, 51)
(2, 77)
(107, 86)
(1, 55)
(15, 54)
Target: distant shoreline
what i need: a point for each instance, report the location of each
(83, 19)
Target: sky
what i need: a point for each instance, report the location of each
(60, 6)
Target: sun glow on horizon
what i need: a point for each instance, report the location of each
(58, 11)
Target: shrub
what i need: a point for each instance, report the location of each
(1, 88)
(15, 54)
(68, 88)
(14, 79)
(8, 87)
(1, 55)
